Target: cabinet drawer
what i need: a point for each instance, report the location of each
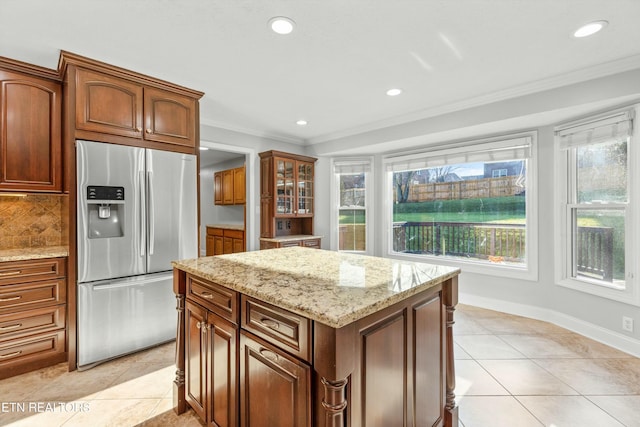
(31, 349)
(39, 320)
(234, 234)
(220, 300)
(290, 243)
(27, 271)
(32, 295)
(215, 231)
(282, 328)
(311, 243)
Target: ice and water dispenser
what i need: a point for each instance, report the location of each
(106, 211)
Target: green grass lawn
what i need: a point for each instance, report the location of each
(504, 210)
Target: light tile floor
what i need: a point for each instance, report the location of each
(515, 372)
(511, 372)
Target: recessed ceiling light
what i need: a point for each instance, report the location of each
(590, 28)
(281, 25)
(301, 122)
(394, 92)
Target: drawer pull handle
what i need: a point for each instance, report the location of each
(10, 298)
(15, 353)
(207, 295)
(268, 354)
(6, 328)
(270, 323)
(10, 273)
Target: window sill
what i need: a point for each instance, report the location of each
(478, 267)
(590, 287)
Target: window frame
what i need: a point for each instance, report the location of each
(565, 173)
(334, 242)
(529, 271)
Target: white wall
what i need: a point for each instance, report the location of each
(590, 315)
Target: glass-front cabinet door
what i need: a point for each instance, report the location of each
(285, 182)
(305, 188)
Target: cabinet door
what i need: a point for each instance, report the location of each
(169, 117)
(108, 104)
(228, 245)
(275, 389)
(217, 188)
(304, 185)
(196, 358)
(239, 186)
(30, 139)
(222, 372)
(218, 245)
(210, 240)
(285, 183)
(238, 245)
(227, 187)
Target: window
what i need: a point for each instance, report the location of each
(497, 173)
(596, 205)
(470, 203)
(351, 181)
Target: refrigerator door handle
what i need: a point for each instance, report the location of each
(143, 216)
(152, 208)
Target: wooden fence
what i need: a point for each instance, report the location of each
(500, 243)
(471, 189)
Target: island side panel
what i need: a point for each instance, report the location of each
(389, 368)
(450, 296)
(179, 288)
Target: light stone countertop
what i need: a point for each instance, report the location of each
(290, 238)
(228, 226)
(330, 287)
(33, 253)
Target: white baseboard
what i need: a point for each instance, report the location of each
(595, 332)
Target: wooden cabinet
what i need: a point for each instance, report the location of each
(229, 365)
(210, 366)
(275, 388)
(30, 129)
(112, 105)
(307, 242)
(224, 241)
(229, 186)
(286, 194)
(32, 315)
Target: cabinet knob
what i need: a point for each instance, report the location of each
(139, 129)
(149, 130)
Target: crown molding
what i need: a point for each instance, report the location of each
(251, 131)
(578, 76)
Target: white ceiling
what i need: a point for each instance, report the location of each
(334, 69)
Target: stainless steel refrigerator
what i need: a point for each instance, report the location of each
(137, 211)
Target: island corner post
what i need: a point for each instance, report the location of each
(336, 368)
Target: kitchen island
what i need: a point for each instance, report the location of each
(299, 337)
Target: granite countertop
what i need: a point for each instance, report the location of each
(290, 238)
(334, 288)
(33, 253)
(227, 226)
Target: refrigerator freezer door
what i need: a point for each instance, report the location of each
(122, 316)
(172, 205)
(110, 255)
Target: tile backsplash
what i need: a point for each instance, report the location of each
(32, 221)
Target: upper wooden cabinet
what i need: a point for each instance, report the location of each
(229, 187)
(112, 105)
(30, 128)
(286, 193)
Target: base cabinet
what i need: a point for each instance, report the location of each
(253, 364)
(32, 315)
(275, 388)
(222, 241)
(210, 362)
